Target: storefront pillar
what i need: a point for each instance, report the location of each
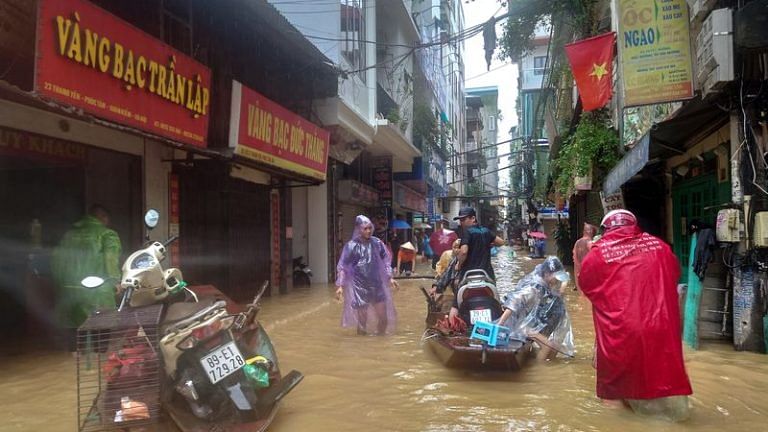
(318, 232)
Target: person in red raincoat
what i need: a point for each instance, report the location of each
(631, 279)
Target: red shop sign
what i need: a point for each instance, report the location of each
(265, 131)
(381, 171)
(410, 199)
(88, 58)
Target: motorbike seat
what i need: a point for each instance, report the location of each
(181, 311)
(482, 289)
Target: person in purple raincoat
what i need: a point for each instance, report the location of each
(363, 282)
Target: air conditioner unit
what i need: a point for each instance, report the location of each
(714, 51)
(699, 9)
(761, 229)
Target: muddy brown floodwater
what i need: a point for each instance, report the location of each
(355, 383)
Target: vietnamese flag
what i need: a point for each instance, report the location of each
(592, 64)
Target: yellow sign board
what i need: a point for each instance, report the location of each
(655, 51)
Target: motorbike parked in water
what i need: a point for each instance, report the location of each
(220, 370)
(302, 274)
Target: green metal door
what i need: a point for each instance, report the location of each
(697, 198)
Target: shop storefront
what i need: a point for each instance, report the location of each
(46, 184)
(90, 132)
(701, 187)
(678, 173)
(409, 203)
(355, 198)
(281, 151)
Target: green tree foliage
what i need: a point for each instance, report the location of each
(525, 15)
(593, 146)
(425, 125)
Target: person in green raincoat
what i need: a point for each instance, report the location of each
(89, 248)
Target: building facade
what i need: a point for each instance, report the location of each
(390, 121)
(157, 106)
(689, 159)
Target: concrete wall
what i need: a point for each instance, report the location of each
(300, 223)
(316, 20)
(393, 29)
(318, 232)
(156, 184)
(359, 90)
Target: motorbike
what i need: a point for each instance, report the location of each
(302, 274)
(477, 302)
(477, 298)
(219, 368)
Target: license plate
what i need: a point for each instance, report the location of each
(481, 315)
(222, 362)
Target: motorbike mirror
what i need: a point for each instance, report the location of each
(151, 218)
(92, 282)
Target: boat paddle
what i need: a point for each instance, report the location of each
(431, 303)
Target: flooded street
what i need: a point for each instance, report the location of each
(355, 383)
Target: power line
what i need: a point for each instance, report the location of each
(487, 72)
(512, 153)
(488, 172)
(490, 146)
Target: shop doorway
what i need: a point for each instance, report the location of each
(46, 185)
(225, 230)
(645, 197)
(698, 198)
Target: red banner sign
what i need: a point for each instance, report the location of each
(358, 193)
(19, 143)
(409, 199)
(265, 131)
(381, 169)
(91, 59)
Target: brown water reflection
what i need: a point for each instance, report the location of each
(392, 383)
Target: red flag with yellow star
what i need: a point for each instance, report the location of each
(592, 64)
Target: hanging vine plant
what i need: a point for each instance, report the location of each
(425, 126)
(593, 149)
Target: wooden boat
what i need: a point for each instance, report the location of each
(460, 352)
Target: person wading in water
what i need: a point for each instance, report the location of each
(363, 282)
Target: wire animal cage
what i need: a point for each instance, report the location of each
(119, 369)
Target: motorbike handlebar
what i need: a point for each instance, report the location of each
(258, 295)
(170, 240)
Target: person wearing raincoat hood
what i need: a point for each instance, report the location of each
(631, 279)
(535, 309)
(89, 248)
(363, 282)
